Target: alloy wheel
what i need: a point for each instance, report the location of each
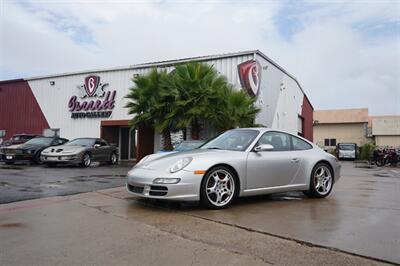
(86, 160)
(220, 187)
(113, 158)
(322, 180)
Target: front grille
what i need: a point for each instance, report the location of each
(158, 191)
(135, 189)
(10, 151)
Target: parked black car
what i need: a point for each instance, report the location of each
(30, 150)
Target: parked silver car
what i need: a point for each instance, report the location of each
(82, 151)
(239, 162)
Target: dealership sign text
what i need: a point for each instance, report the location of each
(94, 101)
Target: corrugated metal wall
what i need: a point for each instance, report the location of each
(53, 99)
(19, 110)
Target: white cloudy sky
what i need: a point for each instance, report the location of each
(345, 54)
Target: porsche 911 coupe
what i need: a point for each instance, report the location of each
(239, 162)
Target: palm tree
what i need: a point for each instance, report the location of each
(240, 111)
(149, 101)
(198, 97)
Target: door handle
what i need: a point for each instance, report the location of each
(295, 160)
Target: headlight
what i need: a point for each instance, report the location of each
(166, 180)
(179, 165)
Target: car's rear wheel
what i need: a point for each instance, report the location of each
(321, 181)
(86, 160)
(113, 158)
(219, 188)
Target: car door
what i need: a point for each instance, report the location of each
(105, 150)
(97, 151)
(272, 168)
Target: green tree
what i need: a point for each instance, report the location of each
(204, 95)
(150, 102)
(239, 111)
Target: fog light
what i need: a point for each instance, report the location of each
(166, 180)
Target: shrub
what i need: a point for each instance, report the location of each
(366, 151)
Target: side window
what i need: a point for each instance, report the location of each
(57, 142)
(103, 142)
(280, 141)
(299, 144)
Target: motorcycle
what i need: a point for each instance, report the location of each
(382, 157)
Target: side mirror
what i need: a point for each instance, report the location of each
(264, 147)
(97, 146)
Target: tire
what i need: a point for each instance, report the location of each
(321, 181)
(380, 162)
(86, 160)
(113, 159)
(219, 188)
(37, 159)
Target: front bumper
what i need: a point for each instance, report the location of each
(60, 158)
(140, 183)
(17, 157)
(336, 171)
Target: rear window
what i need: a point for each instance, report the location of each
(299, 144)
(347, 147)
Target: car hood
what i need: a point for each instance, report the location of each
(25, 146)
(64, 149)
(161, 161)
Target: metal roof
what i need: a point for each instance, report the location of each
(171, 63)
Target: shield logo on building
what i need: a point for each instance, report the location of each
(250, 76)
(91, 84)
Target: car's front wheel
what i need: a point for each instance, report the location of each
(86, 160)
(113, 158)
(321, 181)
(219, 188)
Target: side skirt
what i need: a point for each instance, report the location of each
(269, 190)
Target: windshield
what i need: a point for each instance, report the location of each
(346, 147)
(187, 145)
(80, 142)
(40, 141)
(234, 140)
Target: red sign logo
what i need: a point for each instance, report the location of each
(91, 84)
(250, 76)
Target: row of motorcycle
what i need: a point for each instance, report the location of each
(382, 156)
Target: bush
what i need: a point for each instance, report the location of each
(366, 151)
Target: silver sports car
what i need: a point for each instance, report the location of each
(81, 151)
(239, 162)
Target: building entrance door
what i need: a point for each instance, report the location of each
(118, 133)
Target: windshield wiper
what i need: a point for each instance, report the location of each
(214, 148)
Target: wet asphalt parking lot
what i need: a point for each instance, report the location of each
(22, 181)
(358, 224)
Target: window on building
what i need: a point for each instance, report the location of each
(2, 133)
(326, 142)
(330, 142)
(300, 125)
(333, 142)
